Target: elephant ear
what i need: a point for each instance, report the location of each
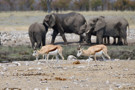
(100, 24)
(118, 25)
(52, 20)
(90, 25)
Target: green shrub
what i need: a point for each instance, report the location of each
(22, 53)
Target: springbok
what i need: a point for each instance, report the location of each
(94, 51)
(49, 50)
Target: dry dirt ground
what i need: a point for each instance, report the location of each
(64, 75)
(40, 75)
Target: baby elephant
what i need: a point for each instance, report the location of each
(37, 34)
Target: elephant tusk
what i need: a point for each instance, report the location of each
(46, 24)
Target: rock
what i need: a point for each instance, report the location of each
(66, 87)
(126, 69)
(116, 59)
(118, 85)
(81, 67)
(107, 82)
(2, 73)
(45, 81)
(46, 88)
(27, 63)
(71, 57)
(39, 69)
(73, 77)
(17, 63)
(4, 68)
(37, 89)
(76, 62)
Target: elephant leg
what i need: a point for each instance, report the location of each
(99, 39)
(99, 35)
(114, 40)
(108, 40)
(43, 41)
(120, 41)
(88, 38)
(104, 40)
(125, 41)
(81, 39)
(32, 42)
(38, 44)
(64, 38)
(55, 33)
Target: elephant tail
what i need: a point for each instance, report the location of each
(128, 30)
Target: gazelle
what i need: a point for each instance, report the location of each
(49, 50)
(94, 51)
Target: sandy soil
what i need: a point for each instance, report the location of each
(64, 75)
(40, 75)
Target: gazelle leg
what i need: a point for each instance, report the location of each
(107, 55)
(36, 58)
(44, 56)
(95, 59)
(52, 58)
(61, 56)
(108, 58)
(103, 58)
(57, 58)
(47, 57)
(89, 59)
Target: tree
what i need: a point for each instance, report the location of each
(43, 4)
(95, 4)
(61, 4)
(49, 5)
(132, 5)
(122, 4)
(82, 4)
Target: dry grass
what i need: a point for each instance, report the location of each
(22, 13)
(21, 20)
(13, 28)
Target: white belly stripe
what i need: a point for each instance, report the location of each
(53, 52)
(98, 54)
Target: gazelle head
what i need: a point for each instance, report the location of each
(35, 53)
(80, 51)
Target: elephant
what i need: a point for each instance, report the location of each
(37, 34)
(66, 23)
(107, 27)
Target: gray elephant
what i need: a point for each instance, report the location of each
(66, 23)
(37, 33)
(107, 27)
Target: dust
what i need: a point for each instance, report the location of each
(30, 75)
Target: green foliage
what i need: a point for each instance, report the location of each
(43, 4)
(24, 5)
(81, 4)
(22, 53)
(15, 53)
(122, 4)
(61, 4)
(96, 3)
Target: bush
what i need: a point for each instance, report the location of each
(23, 53)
